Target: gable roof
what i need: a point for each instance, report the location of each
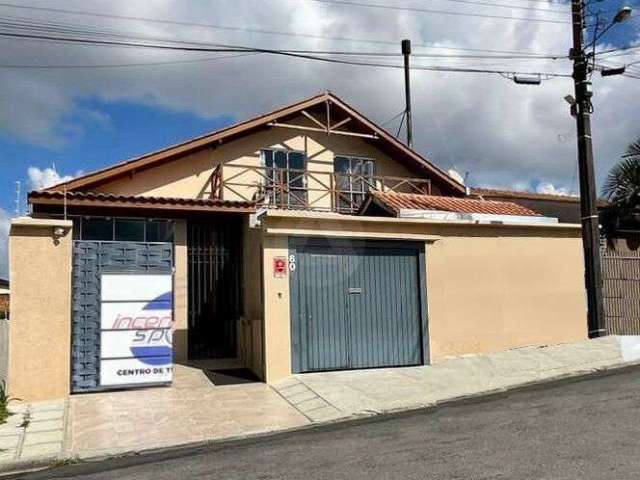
(394, 202)
(388, 143)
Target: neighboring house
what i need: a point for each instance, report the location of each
(4, 298)
(566, 208)
(257, 242)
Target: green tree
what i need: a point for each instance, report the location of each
(622, 189)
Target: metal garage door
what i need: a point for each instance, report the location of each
(357, 304)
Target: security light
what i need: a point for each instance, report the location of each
(570, 100)
(623, 15)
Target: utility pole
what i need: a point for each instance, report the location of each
(588, 206)
(406, 51)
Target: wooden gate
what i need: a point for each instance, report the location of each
(621, 275)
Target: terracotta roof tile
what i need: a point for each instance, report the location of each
(97, 198)
(400, 201)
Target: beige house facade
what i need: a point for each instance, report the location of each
(265, 233)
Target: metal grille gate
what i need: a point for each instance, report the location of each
(215, 288)
(90, 259)
(621, 275)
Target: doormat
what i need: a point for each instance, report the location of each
(231, 376)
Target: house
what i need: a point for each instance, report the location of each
(566, 209)
(4, 298)
(272, 241)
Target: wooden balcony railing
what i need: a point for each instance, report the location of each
(305, 189)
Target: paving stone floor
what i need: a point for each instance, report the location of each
(34, 431)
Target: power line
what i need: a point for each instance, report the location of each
(442, 12)
(246, 29)
(506, 5)
(122, 65)
(40, 27)
(546, 2)
(233, 48)
(493, 4)
(620, 51)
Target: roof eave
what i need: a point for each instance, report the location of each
(37, 199)
(261, 121)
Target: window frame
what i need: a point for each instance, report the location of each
(79, 227)
(270, 174)
(352, 193)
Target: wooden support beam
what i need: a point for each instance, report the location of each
(340, 123)
(314, 120)
(314, 129)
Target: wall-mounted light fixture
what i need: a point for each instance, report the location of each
(58, 233)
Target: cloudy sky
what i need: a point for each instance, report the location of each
(110, 103)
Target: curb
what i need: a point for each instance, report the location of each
(141, 457)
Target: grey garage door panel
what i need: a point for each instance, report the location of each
(357, 304)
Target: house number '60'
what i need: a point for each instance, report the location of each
(292, 262)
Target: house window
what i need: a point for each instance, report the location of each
(109, 229)
(354, 177)
(129, 230)
(285, 172)
(97, 229)
(159, 231)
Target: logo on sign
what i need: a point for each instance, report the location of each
(151, 343)
(279, 267)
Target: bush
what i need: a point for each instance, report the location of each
(4, 412)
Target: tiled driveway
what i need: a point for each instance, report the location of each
(192, 410)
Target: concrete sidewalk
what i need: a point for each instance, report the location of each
(194, 411)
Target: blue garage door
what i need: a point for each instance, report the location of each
(357, 304)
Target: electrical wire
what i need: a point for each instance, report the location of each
(620, 51)
(40, 27)
(504, 5)
(396, 116)
(234, 48)
(122, 65)
(344, 3)
(404, 115)
(244, 29)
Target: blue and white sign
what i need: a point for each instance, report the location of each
(136, 329)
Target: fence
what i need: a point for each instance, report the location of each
(621, 275)
(305, 189)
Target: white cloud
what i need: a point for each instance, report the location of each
(44, 178)
(546, 187)
(500, 132)
(4, 243)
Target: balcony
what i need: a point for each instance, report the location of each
(305, 189)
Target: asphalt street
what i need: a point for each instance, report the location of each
(587, 429)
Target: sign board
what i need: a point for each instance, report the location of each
(136, 329)
(279, 267)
